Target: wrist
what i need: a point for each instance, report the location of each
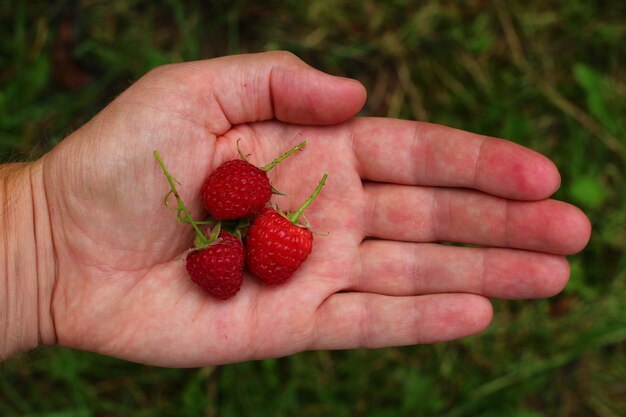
(27, 268)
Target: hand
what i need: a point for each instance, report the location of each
(377, 279)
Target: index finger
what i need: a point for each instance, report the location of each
(419, 153)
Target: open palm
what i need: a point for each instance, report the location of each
(375, 277)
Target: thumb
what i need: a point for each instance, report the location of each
(254, 87)
(302, 94)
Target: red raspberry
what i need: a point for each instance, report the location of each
(236, 189)
(218, 268)
(275, 247)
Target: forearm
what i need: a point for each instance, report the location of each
(26, 261)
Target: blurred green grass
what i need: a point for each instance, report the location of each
(549, 75)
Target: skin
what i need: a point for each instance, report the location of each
(116, 283)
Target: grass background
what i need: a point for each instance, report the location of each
(547, 74)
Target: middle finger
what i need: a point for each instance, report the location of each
(430, 214)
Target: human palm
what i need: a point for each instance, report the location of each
(375, 277)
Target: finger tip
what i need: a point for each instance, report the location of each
(541, 178)
(303, 94)
(580, 229)
(470, 314)
(560, 277)
(563, 229)
(570, 228)
(483, 314)
(343, 100)
(552, 277)
(550, 179)
(521, 173)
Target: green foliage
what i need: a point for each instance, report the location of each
(589, 192)
(548, 75)
(598, 93)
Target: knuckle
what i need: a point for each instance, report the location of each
(284, 56)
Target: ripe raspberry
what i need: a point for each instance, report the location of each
(217, 262)
(218, 268)
(276, 245)
(238, 189)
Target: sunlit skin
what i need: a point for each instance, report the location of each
(376, 277)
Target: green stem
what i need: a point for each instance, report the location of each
(294, 217)
(181, 205)
(283, 157)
